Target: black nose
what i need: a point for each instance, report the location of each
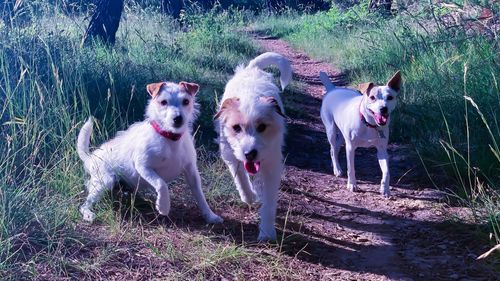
(251, 155)
(384, 110)
(178, 121)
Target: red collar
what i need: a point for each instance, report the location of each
(165, 134)
(363, 119)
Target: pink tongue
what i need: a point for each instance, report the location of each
(252, 167)
(381, 120)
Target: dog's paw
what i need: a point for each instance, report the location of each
(164, 211)
(87, 214)
(337, 172)
(385, 191)
(352, 187)
(248, 198)
(213, 218)
(267, 236)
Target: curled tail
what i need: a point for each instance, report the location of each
(270, 58)
(326, 81)
(83, 143)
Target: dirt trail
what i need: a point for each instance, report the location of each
(337, 234)
(329, 233)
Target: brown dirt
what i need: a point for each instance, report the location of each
(346, 235)
(328, 232)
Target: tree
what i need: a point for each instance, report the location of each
(172, 7)
(104, 22)
(273, 5)
(385, 5)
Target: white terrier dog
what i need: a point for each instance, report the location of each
(360, 121)
(251, 133)
(149, 153)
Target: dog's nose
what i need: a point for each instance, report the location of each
(251, 155)
(384, 110)
(178, 121)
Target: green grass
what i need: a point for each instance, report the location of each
(439, 66)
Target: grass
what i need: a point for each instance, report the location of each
(49, 85)
(449, 104)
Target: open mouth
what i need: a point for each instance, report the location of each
(380, 119)
(252, 167)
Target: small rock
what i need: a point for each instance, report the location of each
(442, 247)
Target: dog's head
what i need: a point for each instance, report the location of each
(172, 105)
(254, 129)
(381, 100)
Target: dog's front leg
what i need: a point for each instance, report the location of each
(240, 176)
(351, 173)
(194, 181)
(269, 185)
(383, 161)
(242, 181)
(161, 187)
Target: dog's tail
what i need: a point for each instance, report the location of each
(326, 81)
(270, 58)
(83, 143)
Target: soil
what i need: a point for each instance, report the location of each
(326, 232)
(362, 235)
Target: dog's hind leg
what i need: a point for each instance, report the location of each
(383, 159)
(335, 138)
(96, 187)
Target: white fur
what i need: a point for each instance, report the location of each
(142, 157)
(252, 86)
(340, 113)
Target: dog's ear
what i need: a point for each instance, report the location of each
(395, 82)
(365, 87)
(227, 104)
(274, 103)
(191, 88)
(154, 88)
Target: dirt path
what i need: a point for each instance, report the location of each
(328, 232)
(337, 234)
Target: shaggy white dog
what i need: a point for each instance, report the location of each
(251, 131)
(149, 153)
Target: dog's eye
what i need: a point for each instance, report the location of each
(237, 128)
(185, 102)
(261, 128)
(390, 97)
(163, 102)
(372, 97)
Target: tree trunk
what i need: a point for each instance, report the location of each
(104, 22)
(384, 5)
(172, 7)
(273, 6)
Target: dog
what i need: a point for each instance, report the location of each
(149, 153)
(359, 120)
(251, 126)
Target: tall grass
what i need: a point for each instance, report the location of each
(49, 85)
(440, 64)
